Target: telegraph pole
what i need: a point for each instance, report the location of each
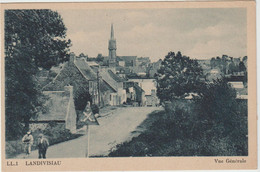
(88, 143)
(98, 85)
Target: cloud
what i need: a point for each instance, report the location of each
(198, 33)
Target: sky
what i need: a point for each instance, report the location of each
(199, 33)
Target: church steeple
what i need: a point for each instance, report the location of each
(112, 48)
(112, 32)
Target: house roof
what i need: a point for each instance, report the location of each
(92, 63)
(108, 79)
(85, 69)
(104, 86)
(66, 75)
(89, 73)
(56, 106)
(136, 86)
(242, 91)
(115, 77)
(237, 85)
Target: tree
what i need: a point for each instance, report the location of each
(244, 58)
(232, 68)
(82, 55)
(242, 67)
(178, 76)
(222, 118)
(34, 39)
(212, 63)
(100, 58)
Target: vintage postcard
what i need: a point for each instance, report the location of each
(128, 86)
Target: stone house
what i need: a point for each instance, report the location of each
(79, 74)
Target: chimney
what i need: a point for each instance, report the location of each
(69, 90)
(72, 57)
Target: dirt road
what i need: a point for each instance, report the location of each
(114, 128)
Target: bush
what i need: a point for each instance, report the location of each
(55, 133)
(13, 148)
(224, 119)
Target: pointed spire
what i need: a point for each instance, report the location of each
(112, 31)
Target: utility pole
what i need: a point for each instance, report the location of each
(98, 85)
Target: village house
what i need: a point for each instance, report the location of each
(135, 94)
(153, 68)
(58, 108)
(79, 74)
(149, 87)
(116, 83)
(238, 83)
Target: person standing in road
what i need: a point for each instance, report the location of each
(42, 146)
(28, 142)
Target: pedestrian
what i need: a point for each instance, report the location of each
(42, 146)
(28, 142)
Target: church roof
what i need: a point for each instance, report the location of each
(126, 57)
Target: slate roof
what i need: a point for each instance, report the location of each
(242, 91)
(86, 72)
(136, 86)
(115, 77)
(85, 69)
(92, 63)
(108, 79)
(66, 76)
(56, 106)
(89, 73)
(104, 86)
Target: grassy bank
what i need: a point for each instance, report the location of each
(178, 131)
(55, 134)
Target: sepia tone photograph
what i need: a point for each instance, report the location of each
(105, 83)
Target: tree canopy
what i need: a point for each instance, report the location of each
(34, 39)
(178, 76)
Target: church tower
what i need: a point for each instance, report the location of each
(112, 49)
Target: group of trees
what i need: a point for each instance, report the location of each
(100, 58)
(179, 75)
(34, 40)
(218, 123)
(227, 65)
